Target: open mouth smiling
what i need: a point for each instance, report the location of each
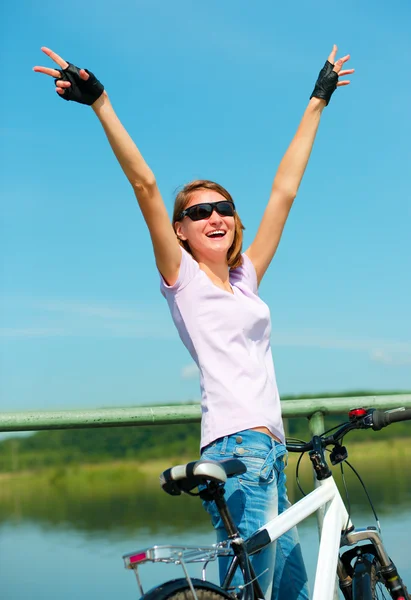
(217, 233)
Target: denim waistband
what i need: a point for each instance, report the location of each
(248, 437)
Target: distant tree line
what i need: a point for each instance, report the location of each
(70, 446)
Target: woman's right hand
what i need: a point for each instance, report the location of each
(72, 83)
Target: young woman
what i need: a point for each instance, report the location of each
(212, 291)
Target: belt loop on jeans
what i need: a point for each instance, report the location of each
(267, 465)
(224, 445)
(281, 453)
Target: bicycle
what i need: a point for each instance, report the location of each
(356, 556)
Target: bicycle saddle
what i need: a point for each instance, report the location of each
(184, 478)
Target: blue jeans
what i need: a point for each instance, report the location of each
(253, 499)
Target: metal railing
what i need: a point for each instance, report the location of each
(313, 408)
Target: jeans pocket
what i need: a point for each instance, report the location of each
(259, 472)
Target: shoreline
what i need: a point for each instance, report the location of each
(363, 453)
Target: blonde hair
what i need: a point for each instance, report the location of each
(183, 197)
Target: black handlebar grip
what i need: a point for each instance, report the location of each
(381, 419)
(400, 414)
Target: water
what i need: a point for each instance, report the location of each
(60, 542)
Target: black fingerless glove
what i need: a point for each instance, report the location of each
(326, 83)
(84, 92)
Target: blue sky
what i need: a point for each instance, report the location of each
(207, 90)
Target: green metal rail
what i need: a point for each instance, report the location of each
(313, 408)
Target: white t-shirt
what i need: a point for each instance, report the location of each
(228, 336)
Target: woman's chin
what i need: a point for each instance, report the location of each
(220, 246)
(216, 250)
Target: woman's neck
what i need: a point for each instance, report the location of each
(218, 272)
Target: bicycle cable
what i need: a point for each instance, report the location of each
(299, 483)
(347, 496)
(344, 481)
(297, 471)
(332, 429)
(297, 477)
(367, 494)
(346, 488)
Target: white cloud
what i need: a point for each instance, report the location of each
(395, 360)
(29, 332)
(91, 310)
(47, 318)
(317, 339)
(190, 371)
(93, 319)
(149, 329)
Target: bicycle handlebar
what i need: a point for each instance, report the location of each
(381, 418)
(359, 419)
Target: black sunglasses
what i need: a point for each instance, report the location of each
(205, 210)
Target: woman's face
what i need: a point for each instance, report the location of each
(208, 238)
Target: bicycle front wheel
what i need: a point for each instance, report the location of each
(368, 583)
(179, 589)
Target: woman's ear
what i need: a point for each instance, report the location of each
(179, 232)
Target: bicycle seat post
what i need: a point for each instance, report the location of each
(215, 491)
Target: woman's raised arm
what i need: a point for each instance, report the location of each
(292, 166)
(82, 86)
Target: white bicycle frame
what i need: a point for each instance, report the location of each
(335, 520)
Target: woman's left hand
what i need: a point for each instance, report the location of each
(329, 76)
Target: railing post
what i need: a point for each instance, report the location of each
(316, 425)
